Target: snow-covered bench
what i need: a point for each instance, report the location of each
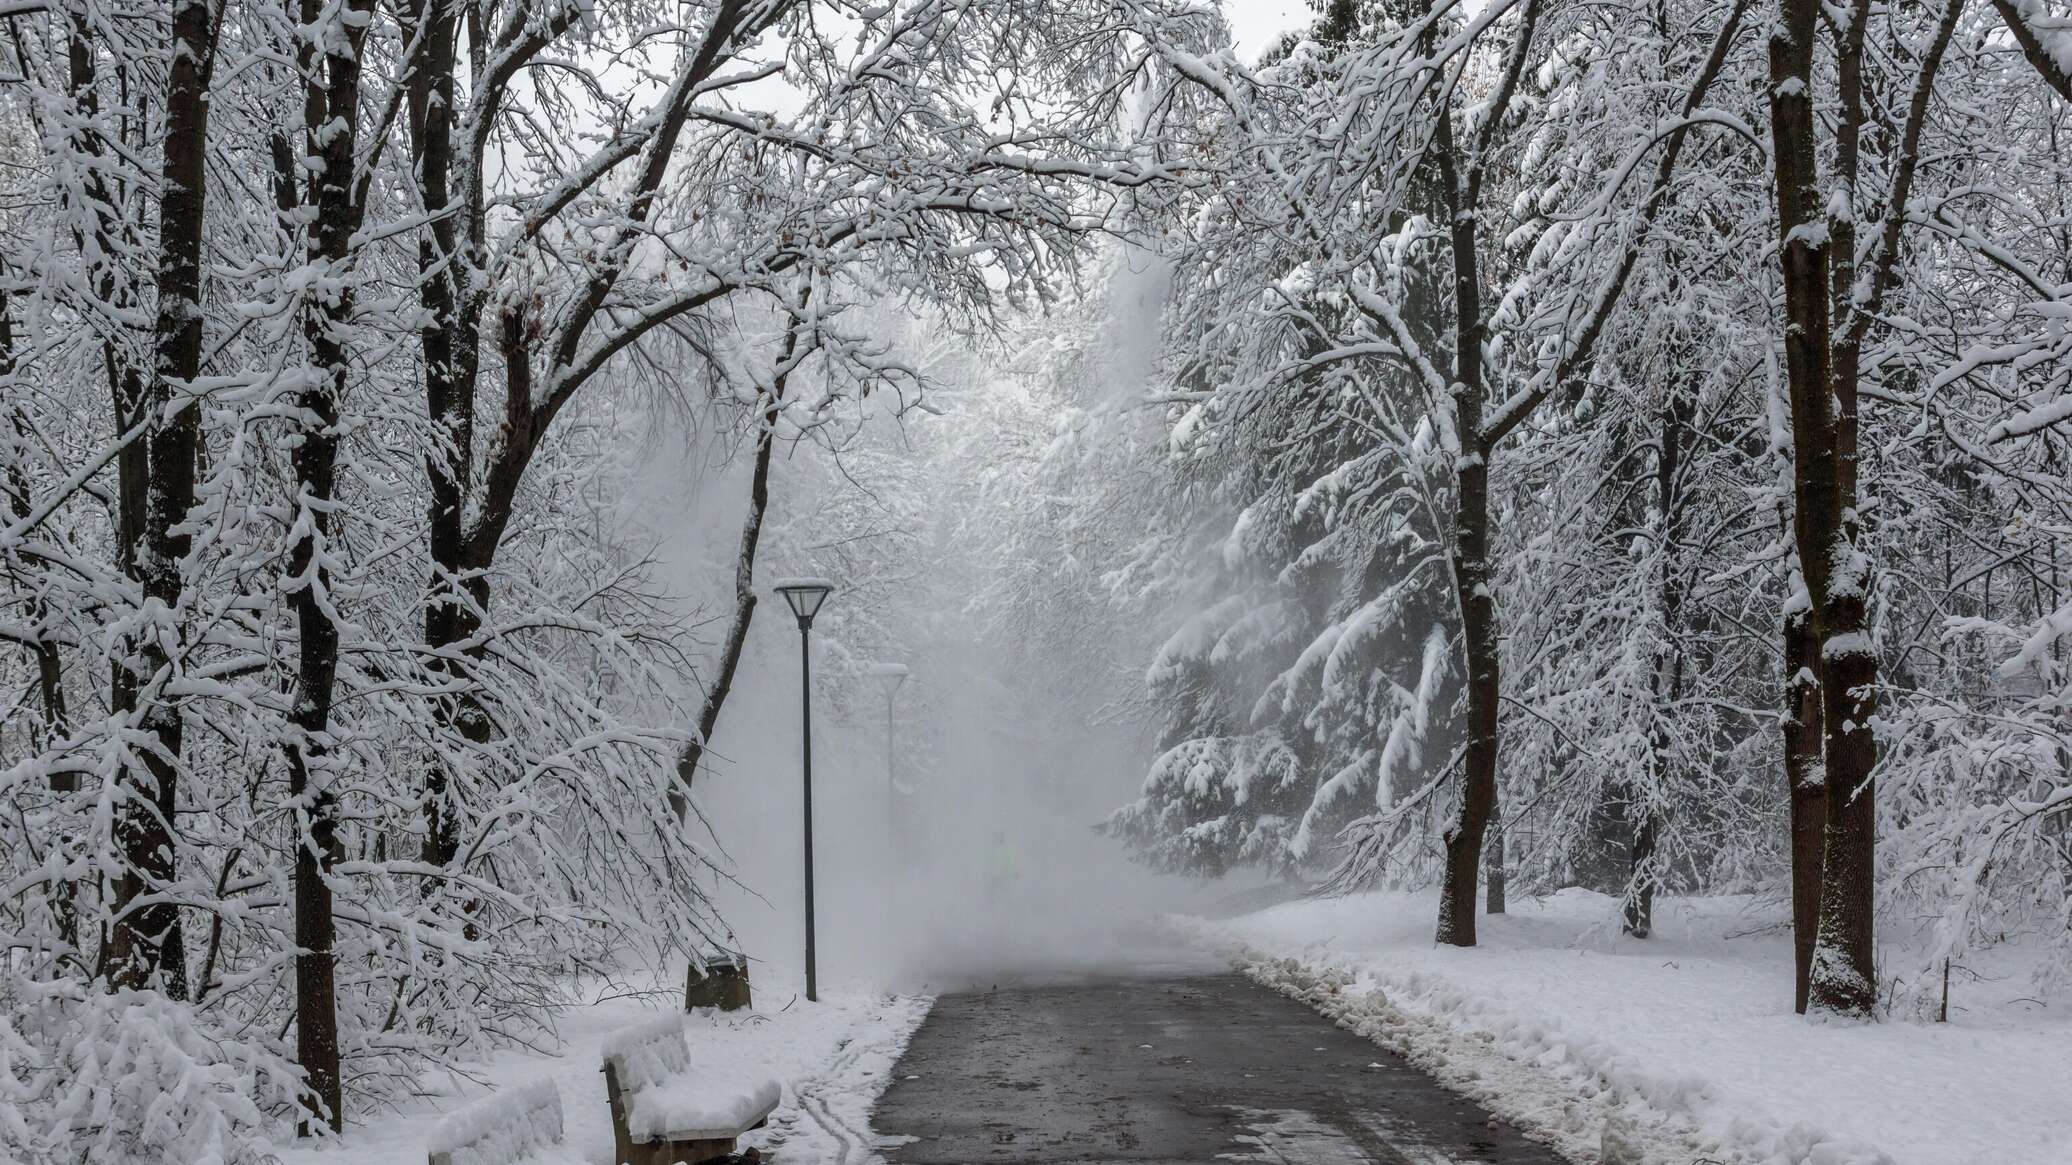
(664, 1113)
(519, 1127)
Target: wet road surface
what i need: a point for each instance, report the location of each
(1160, 1071)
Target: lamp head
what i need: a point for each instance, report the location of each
(805, 596)
(890, 676)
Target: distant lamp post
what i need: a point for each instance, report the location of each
(890, 676)
(805, 596)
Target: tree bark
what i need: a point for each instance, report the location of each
(451, 342)
(1496, 898)
(1471, 581)
(1806, 789)
(126, 384)
(1817, 472)
(144, 947)
(2033, 49)
(330, 125)
(1830, 306)
(1474, 588)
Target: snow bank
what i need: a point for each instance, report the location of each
(520, 1125)
(825, 1116)
(1679, 1048)
(830, 1059)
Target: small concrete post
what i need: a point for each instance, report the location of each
(719, 981)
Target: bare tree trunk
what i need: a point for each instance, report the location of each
(1640, 891)
(744, 592)
(1807, 791)
(1823, 285)
(1495, 899)
(1644, 875)
(463, 552)
(125, 382)
(144, 945)
(451, 341)
(737, 628)
(1823, 485)
(1474, 586)
(1474, 590)
(330, 124)
(52, 722)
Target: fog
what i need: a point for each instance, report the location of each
(1010, 746)
(990, 871)
(984, 866)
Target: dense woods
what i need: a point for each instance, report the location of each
(1543, 442)
(1618, 447)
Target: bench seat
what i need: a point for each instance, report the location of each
(666, 1113)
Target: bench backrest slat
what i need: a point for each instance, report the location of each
(649, 1054)
(503, 1129)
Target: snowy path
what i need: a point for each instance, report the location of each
(1149, 1070)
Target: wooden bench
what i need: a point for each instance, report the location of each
(663, 1113)
(519, 1126)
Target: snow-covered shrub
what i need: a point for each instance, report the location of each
(133, 1078)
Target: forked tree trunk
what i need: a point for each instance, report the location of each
(144, 946)
(1837, 980)
(1830, 306)
(1474, 587)
(1479, 434)
(462, 552)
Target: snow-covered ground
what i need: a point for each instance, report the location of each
(1685, 1044)
(832, 1058)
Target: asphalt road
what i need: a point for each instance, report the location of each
(1168, 1070)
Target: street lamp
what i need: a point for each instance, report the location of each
(890, 676)
(805, 596)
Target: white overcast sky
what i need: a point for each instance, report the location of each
(1254, 23)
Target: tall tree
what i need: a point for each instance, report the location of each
(1832, 294)
(330, 44)
(146, 940)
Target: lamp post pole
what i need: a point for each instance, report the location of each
(806, 718)
(805, 596)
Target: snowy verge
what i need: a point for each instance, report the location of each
(1678, 1049)
(825, 1117)
(832, 1059)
